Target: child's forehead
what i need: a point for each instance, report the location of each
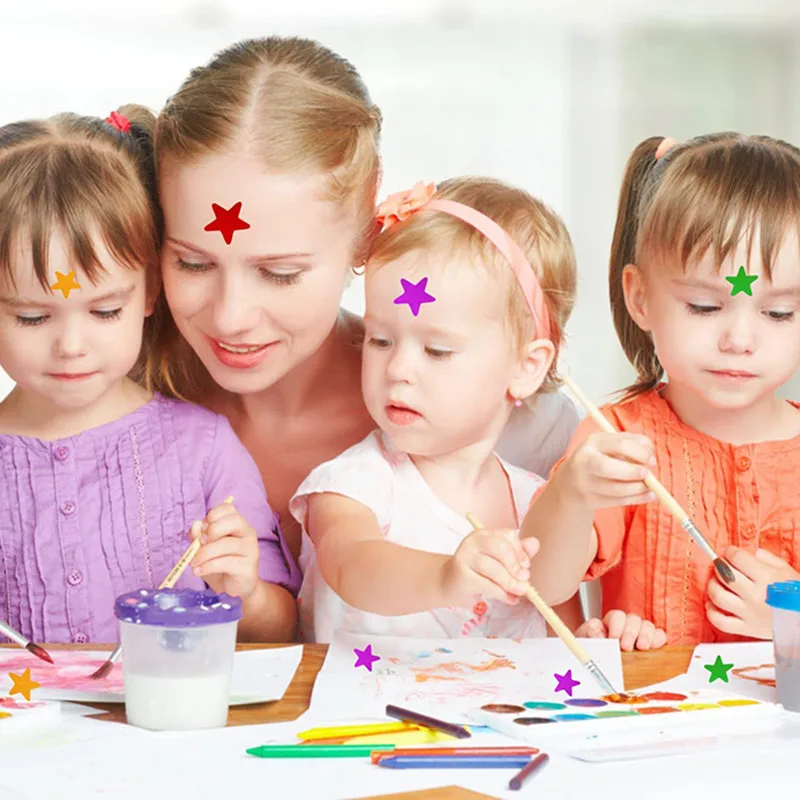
(20, 278)
(460, 289)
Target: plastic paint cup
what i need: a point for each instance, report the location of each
(784, 598)
(177, 657)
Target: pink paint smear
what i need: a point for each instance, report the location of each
(71, 670)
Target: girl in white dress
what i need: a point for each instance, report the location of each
(468, 289)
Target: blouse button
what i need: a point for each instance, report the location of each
(61, 453)
(68, 508)
(743, 464)
(80, 638)
(74, 577)
(479, 609)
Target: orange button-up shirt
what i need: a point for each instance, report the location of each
(745, 495)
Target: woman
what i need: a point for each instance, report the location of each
(268, 172)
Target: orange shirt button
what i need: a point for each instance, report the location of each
(479, 609)
(743, 464)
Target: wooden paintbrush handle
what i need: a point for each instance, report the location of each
(558, 626)
(184, 560)
(555, 622)
(655, 486)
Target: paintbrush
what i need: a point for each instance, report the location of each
(36, 649)
(167, 583)
(657, 488)
(563, 632)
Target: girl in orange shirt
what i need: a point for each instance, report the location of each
(705, 287)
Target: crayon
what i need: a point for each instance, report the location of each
(529, 770)
(317, 750)
(347, 731)
(459, 731)
(455, 751)
(454, 762)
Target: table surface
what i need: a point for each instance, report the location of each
(639, 669)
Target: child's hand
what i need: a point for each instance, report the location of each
(608, 469)
(741, 607)
(228, 558)
(492, 563)
(631, 630)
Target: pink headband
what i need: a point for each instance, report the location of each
(401, 205)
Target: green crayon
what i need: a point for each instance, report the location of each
(317, 750)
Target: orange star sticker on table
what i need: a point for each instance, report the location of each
(65, 283)
(23, 684)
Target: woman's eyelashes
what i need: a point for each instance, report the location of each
(277, 277)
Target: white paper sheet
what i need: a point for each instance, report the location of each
(213, 764)
(752, 662)
(258, 675)
(446, 677)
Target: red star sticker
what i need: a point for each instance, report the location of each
(227, 221)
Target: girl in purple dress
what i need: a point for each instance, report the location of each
(103, 482)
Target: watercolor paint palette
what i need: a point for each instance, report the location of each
(644, 715)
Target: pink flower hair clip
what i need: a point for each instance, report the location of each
(401, 205)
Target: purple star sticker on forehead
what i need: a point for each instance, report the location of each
(414, 294)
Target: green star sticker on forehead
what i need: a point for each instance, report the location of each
(741, 282)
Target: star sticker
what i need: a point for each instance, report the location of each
(23, 684)
(566, 683)
(227, 221)
(718, 670)
(365, 657)
(65, 283)
(741, 282)
(414, 294)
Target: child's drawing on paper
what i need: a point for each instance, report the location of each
(763, 674)
(445, 677)
(70, 671)
(458, 670)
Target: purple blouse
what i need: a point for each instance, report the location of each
(86, 518)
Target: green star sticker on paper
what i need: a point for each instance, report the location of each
(741, 282)
(718, 670)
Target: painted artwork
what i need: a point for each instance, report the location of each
(753, 673)
(444, 676)
(258, 675)
(67, 678)
(645, 715)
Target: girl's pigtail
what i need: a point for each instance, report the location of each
(637, 344)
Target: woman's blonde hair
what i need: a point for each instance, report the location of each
(300, 109)
(539, 232)
(708, 193)
(83, 177)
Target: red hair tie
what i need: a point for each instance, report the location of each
(118, 121)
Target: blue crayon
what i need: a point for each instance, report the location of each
(454, 762)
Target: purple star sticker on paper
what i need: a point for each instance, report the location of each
(365, 657)
(566, 683)
(414, 294)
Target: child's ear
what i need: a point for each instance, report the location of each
(537, 358)
(153, 291)
(635, 291)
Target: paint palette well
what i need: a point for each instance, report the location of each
(537, 720)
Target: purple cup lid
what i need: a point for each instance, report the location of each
(177, 608)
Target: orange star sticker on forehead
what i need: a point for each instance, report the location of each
(23, 684)
(227, 221)
(65, 283)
